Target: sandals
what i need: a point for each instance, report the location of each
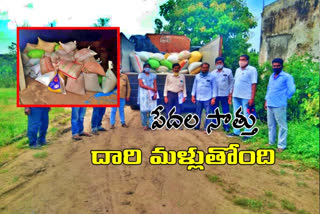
(85, 134)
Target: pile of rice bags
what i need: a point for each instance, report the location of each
(62, 67)
(162, 63)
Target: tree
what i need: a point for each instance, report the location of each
(12, 48)
(159, 25)
(204, 20)
(102, 22)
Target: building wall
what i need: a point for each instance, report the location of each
(289, 27)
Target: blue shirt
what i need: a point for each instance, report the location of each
(280, 89)
(224, 81)
(204, 87)
(243, 80)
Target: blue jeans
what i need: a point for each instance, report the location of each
(173, 100)
(278, 115)
(97, 115)
(77, 118)
(200, 105)
(225, 108)
(145, 117)
(38, 121)
(121, 112)
(237, 102)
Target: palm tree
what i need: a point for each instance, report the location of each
(102, 22)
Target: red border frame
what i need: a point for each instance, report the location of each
(70, 28)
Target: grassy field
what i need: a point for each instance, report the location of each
(13, 124)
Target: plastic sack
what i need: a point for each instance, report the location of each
(76, 86)
(36, 53)
(109, 81)
(93, 67)
(33, 61)
(184, 64)
(46, 65)
(70, 69)
(173, 58)
(162, 69)
(46, 46)
(144, 56)
(154, 63)
(29, 47)
(166, 63)
(35, 71)
(91, 82)
(166, 55)
(184, 71)
(83, 54)
(45, 79)
(195, 57)
(69, 46)
(136, 63)
(194, 65)
(157, 56)
(184, 55)
(57, 85)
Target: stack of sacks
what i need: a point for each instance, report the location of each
(62, 67)
(160, 63)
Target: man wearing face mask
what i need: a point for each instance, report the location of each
(244, 90)
(224, 81)
(204, 92)
(175, 84)
(280, 88)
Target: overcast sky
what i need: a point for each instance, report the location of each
(133, 16)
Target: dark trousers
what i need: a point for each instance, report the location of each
(97, 115)
(38, 121)
(200, 105)
(225, 108)
(173, 100)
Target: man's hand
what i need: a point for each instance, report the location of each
(154, 90)
(166, 99)
(183, 100)
(193, 99)
(27, 110)
(213, 101)
(265, 105)
(230, 100)
(154, 96)
(127, 99)
(251, 102)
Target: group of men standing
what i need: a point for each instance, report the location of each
(209, 91)
(219, 87)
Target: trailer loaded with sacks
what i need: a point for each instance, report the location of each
(161, 51)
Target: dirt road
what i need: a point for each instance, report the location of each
(66, 182)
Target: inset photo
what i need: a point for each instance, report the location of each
(67, 67)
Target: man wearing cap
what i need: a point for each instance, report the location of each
(224, 82)
(281, 87)
(244, 90)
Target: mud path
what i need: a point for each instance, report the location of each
(66, 182)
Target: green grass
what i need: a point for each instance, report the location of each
(268, 193)
(14, 121)
(249, 203)
(213, 178)
(285, 204)
(302, 212)
(40, 155)
(302, 143)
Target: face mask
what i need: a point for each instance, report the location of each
(147, 70)
(242, 64)
(219, 67)
(175, 74)
(276, 70)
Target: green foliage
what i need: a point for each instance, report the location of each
(285, 204)
(41, 155)
(203, 21)
(159, 25)
(249, 203)
(8, 70)
(102, 22)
